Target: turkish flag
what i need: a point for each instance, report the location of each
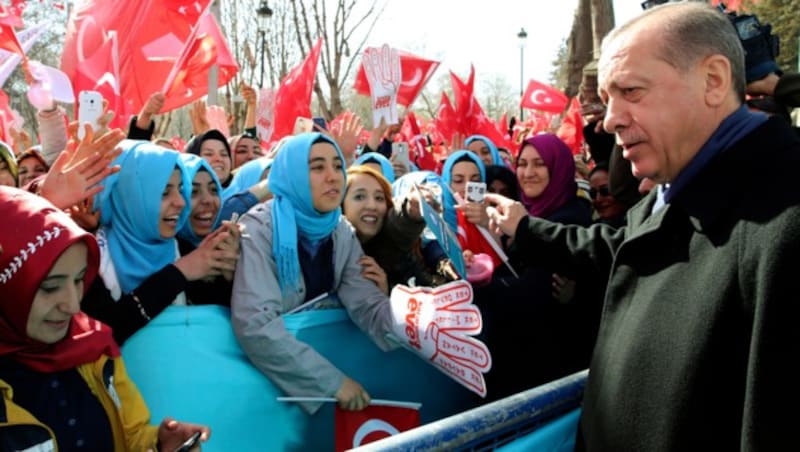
(539, 96)
(8, 38)
(409, 129)
(204, 47)
(446, 122)
(571, 129)
(356, 428)
(293, 97)
(100, 72)
(416, 73)
(731, 5)
(470, 117)
(6, 117)
(462, 99)
(151, 36)
(11, 15)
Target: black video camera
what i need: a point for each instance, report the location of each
(761, 47)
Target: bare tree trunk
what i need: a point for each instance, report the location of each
(337, 58)
(580, 47)
(602, 22)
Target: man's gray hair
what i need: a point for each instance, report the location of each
(690, 31)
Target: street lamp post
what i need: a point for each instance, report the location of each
(522, 35)
(264, 12)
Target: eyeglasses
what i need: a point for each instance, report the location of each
(602, 190)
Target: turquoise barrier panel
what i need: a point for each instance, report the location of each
(188, 365)
(557, 435)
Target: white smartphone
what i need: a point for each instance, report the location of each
(400, 154)
(303, 125)
(90, 108)
(475, 191)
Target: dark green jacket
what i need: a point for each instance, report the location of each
(700, 321)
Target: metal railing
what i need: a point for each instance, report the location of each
(492, 425)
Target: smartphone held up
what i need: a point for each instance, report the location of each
(90, 109)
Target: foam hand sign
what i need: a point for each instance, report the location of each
(382, 66)
(437, 324)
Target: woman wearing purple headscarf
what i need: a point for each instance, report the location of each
(546, 175)
(558, 337)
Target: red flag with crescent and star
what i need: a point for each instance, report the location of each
(356, 428)
(416, 73)
(293, 97)
(539, 96)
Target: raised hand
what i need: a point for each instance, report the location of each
(84, 215)
(437, 324)
(92, 143)
(377, 134)
(197, 114)
(151, 108)
(504, 214)
(21, 140)
(346, 134)
(249, 94)
(70, 180)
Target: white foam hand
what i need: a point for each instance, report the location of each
(382, 67)
(437, 324)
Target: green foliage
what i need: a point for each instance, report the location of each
(785, 20)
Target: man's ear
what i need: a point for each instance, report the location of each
(718, 79)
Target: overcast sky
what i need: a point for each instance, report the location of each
(484, 33)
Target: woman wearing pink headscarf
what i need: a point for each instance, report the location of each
(524, 312)
(546, 174)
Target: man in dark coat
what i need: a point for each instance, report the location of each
(699, 325)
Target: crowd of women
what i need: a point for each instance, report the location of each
(104, 233)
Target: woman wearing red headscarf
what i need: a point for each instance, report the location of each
(63, 383)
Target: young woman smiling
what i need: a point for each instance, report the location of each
(63, 383)
(388, 231)
(298, 246)
(141, 269)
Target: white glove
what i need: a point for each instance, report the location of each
(436, 323)
(382, 68)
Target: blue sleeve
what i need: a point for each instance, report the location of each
(238, 203)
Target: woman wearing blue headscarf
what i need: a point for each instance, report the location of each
(484, 149)
(459, 168)
(249, 185)
(299, 246)
(379, 163)
(142, 209)
(202, 224)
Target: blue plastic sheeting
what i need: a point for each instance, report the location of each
(188, 365)
(544, 416)
(555, 436)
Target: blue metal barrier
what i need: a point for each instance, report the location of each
(501, 423)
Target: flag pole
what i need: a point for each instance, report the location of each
(213, 72)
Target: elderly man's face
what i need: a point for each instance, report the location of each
(657, 112)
